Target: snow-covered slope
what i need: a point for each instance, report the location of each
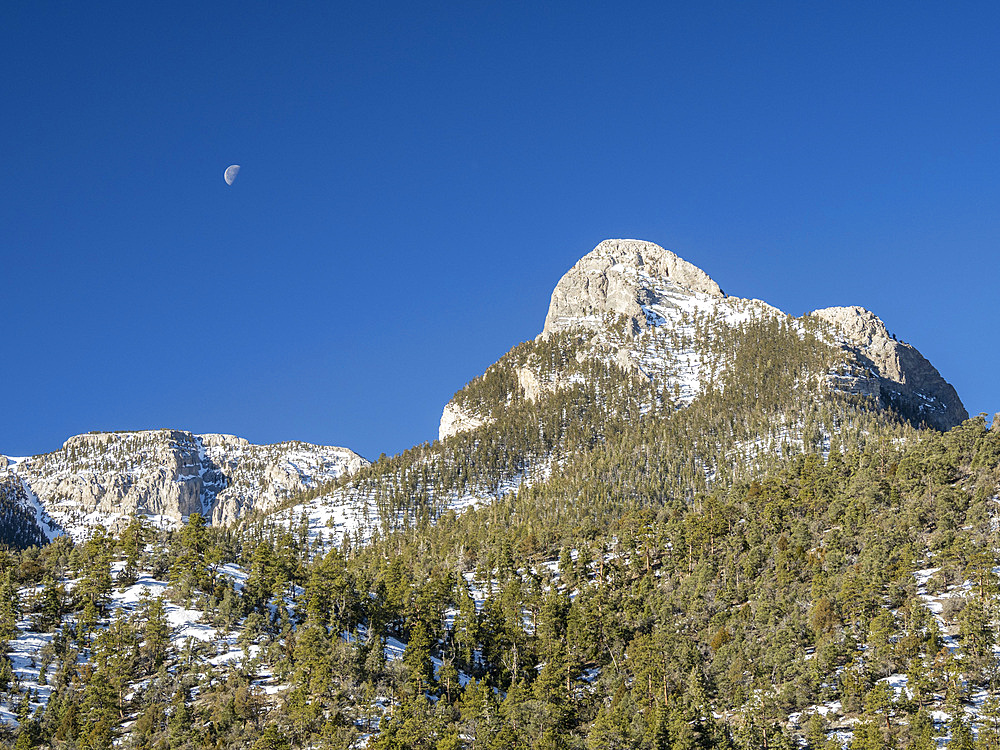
(105, 478)
(359, 510)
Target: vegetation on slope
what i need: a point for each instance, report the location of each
(683, 578)
(697, 622)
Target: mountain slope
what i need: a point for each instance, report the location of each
(639, 342)
(695, 522)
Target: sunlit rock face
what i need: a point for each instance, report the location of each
(107, 478)
(897, 374)
(621, 277)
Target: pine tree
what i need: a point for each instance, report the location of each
(131, 545)
(155, 631)
(10, 610)
(417, 659)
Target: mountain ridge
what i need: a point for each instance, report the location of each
(107, 477)
(628, 305)
(655, 291)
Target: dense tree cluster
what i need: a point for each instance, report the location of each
(684, 623)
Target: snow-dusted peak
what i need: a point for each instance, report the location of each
(621, 277)
(656, 262)
(647, 310)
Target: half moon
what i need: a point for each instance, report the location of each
(231, 172)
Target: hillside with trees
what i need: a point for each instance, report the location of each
(726, 529)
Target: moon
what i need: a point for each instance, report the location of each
(231, 172)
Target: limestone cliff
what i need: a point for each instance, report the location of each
(167, 475)
(895, 372)
(454, 419)
(621, 277)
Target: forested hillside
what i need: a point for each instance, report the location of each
(722, 527)
(767, 394)
(854, 594)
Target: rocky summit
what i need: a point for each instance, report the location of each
(658, 315)
(621, 277)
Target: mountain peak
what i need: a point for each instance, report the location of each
(621, 277)
(681, 331)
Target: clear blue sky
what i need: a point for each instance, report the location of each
(417, 176)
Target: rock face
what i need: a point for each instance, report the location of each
(531, 385)
(620, 277)
(259, 477)
(169, 474)
(454, 420)
(897, 373)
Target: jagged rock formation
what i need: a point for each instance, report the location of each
(620, 277)
(894, 371)
(108, 477)
(652, 313)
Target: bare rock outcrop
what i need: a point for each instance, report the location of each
(620, 277)
(531, 385)
(454, 419)
(899, 376)
(154, 473)
(260, 477)
(109, 477)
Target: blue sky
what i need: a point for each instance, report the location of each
(417, 176)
